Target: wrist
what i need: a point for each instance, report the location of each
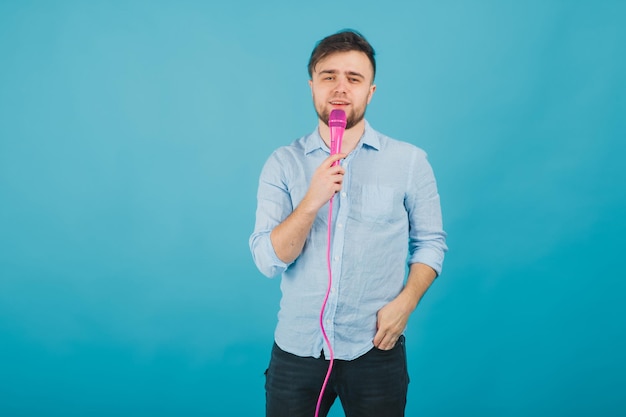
(307, 207)
(408, 299)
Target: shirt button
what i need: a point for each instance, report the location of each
(336, 258)
(343, 194)
(339, 225)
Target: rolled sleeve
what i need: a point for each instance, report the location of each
(273, 206)
(427, 239)
(264, 255)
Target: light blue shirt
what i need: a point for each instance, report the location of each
(386, 215)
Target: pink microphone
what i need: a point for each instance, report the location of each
(337, 124)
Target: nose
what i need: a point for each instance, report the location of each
(341, 85)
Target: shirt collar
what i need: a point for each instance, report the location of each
(370, 139)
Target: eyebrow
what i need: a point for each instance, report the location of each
(333, 72)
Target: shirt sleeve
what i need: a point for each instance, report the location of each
(427, 239)
(273, 206)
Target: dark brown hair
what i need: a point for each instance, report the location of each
(343, 41)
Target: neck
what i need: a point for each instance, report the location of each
(350, 139)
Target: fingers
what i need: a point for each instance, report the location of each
(327, 180)
(333, 177)
(332, 174)
(334, 158)
(328, 167)
(390, 324)
(386, 341)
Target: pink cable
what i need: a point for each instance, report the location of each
(330, 283)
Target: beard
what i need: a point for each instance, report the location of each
(351, 119)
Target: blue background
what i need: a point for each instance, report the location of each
(131, 139)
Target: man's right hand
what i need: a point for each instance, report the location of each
(325, 182)
(289, 236)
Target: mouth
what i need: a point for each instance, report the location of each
(339, 103)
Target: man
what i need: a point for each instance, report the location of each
(385, 195)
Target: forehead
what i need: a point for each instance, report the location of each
(350, 61)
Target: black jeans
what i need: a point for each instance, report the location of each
(374, 384)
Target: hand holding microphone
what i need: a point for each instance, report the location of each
(328, 177)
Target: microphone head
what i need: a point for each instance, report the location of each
(337, 118)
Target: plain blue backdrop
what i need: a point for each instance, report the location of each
(132, 134)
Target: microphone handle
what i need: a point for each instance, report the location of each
(336, 136)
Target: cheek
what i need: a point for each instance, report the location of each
(315, 94)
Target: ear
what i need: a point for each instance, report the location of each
(371, 93)
(311, 86)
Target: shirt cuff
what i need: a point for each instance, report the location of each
(428, 256)
(265, 257)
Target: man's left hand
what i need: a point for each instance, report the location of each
(391, 322)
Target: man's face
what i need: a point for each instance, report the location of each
(343, 80)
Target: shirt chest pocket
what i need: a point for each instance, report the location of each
(378, 204)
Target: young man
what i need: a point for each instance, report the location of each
(386, 206)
